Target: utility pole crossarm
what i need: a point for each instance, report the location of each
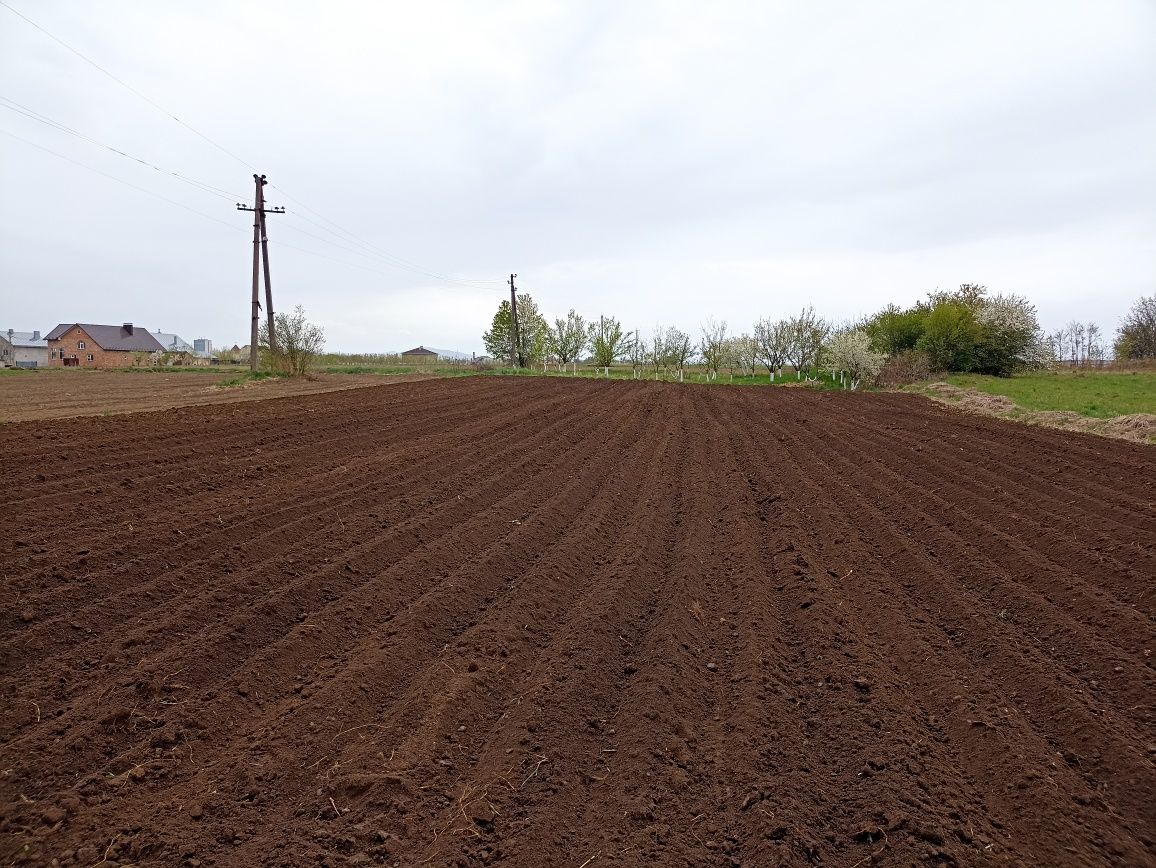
(260, 255)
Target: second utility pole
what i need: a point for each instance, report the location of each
(515, 360)
(260, 253)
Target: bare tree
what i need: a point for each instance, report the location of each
(730, 356)
(1075, 332)
(1057, 342)
(1093, 343)
(679, 349)
(658, 354)
(808, 332)
(772, 343)
(636, 352)
(713, 346)
(746, 352)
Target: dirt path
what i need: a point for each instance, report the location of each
(63, 393)
(533, 622)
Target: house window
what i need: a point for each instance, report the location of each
(52, 354)
(89, 357)
(80, 345)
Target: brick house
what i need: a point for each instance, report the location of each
(86, 345)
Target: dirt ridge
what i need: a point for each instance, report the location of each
(536, 622)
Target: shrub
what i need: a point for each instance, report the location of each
(298, 343)
(905, 368)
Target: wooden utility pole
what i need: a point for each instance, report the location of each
(514, 342)
(260, 254)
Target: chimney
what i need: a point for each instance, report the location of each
(127, 327)
(36, 336)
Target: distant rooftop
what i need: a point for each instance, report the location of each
(31, 340)
(171, 342)
(112, 337)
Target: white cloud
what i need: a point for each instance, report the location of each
(655, 160)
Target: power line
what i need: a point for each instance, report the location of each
(16, 107)
(349, 237)
(125, 85)
(115, 178)
(370, 254)
(185, 207)
(399, 262)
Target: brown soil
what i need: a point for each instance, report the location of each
(536, 623)
(61, 393)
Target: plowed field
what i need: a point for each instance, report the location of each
(60, 393)
(535, 622)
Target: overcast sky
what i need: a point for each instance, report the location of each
(658, 161)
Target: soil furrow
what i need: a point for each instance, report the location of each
(567, 622)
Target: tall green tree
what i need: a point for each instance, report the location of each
(532, 330)
(950, 335)
(894, 330)
(497, 339)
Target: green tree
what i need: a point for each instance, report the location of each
(607, 341)
(949, 337)
(497, 339)
(566, 340)
(1136, 337)
(964, 330)
(894, 330)
(531, 333)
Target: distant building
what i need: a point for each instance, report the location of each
(203, 347)
(419, 356)
(23, 349)
(87, 345)
(172, 343)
